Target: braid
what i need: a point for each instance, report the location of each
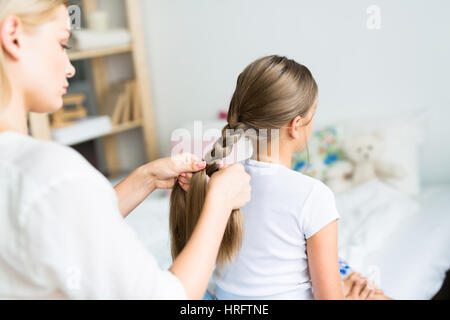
(231, 134)
(186, 208)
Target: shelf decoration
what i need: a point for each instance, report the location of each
(98, 21)
(72, 111)
(122, 103)
(86, 39)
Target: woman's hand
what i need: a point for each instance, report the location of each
(233, 177)
(165, 172)
(230, 186)
(159, 174)
(184, 180)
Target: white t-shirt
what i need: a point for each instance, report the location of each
(285, 209)
(61, 233)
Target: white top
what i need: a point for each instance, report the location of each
(285, 209)
(61, 233)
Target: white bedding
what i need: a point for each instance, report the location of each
(402, 244)
(399, 242)
(369, 214)
(414, 262)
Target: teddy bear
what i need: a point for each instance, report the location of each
(363, 162)
(339, 176)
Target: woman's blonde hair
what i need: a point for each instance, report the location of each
(269, 94)
(32, 13)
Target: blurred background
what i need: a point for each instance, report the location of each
(149, 67)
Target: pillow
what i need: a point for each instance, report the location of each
(325, 148)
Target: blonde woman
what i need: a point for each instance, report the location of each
(62, 234)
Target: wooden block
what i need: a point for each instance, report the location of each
(137, 115)
(40, 126)
(66, 117)
(114, 103)
(74, 99)
(127, 103)
(118, 110)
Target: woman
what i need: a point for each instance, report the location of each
(62, 233)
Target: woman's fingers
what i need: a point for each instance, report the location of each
(233, 184)
(186, 177)
(186, 162)
(185, 187)
(166, 184)
(185, 180)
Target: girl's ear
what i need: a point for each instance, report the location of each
(295, 126)
(11, 36)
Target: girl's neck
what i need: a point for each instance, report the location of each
(283, 156)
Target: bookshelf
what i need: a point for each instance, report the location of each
(40, 124)
(98, 53)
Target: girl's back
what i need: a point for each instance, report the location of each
(286, 208)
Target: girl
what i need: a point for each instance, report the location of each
(62, 234)
(283, 244)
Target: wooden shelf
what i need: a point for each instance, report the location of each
(91, 128)
(115, 130)
(126, 126)
(101, 52)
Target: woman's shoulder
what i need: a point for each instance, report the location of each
(40, 160)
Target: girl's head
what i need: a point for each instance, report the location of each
(272, 93)
(34, 65)
(275, 93)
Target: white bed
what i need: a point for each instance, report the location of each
(411, 264)
(414, 263)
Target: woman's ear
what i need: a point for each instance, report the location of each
(11, 31)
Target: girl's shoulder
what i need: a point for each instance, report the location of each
(287, 181)
(318, 190)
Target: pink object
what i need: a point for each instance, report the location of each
(223, 115)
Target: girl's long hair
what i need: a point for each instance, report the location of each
(185, 210)
(32, 13)
(269, 94)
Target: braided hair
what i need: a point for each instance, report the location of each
(186, 208)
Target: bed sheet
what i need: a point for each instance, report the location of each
(414, 264)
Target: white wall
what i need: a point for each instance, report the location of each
(197, 48)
